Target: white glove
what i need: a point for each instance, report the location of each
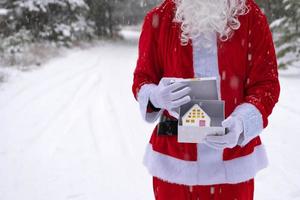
(231, 138)
(170, 96)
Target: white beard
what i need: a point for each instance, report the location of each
(207, 17)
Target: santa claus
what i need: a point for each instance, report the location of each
(226, 39)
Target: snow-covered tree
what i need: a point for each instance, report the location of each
(271, 8)
(49, 22)
(101, 13)
(56, 20)
(133, 11)
(109, 14)
(287, 29)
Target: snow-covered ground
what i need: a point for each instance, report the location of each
(72, 130)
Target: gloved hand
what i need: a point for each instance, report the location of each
(235, 129)
(170, 96)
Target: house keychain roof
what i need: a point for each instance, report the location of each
(196, 116)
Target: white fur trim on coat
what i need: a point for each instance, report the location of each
(184, 172)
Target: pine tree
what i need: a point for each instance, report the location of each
(45, 22)
(271, 8)
(133, 11)
(102, 13)
(288, 33)
(60, 21)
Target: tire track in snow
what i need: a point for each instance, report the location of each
(52, 70)
(46, 86)
(80, 99)
(45, 125)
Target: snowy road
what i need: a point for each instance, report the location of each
(72, 130)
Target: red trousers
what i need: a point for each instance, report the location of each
(169, 191)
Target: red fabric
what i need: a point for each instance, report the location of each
(247, 67)
(168, 191)
(238, 151)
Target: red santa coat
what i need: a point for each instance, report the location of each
(247, 67)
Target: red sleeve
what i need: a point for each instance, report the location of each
(147, 68)
(262, 87)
